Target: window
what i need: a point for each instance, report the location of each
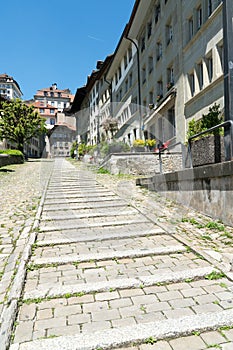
(169, 33)
(116, 78)
(120, 95)
(143, 75)
(150, 64)
(126, 85)
(149, 30)
(151, 97)
(143, 45)
(220, 53)
(160, 88)
(157, 12)
(52, 111)
(192, 83)
(190, 28)
(199, 17)
(52, 121)
(51, 94)
(119, 73)
(58, 94)
(170, 78)
(125, 61)
(159, 50)
(210, 7)
(200, 74)
(209, 65)
(41, 110)
(130, 79)
(130, 53)
(171, 124)
(45, 93)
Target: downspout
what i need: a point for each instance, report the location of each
(139, 86)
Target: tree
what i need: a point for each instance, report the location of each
(20, 122)
(110, 124)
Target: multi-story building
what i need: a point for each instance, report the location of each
(9, 88)
(46, 111)
(59, 99)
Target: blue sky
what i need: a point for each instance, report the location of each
(56, 41)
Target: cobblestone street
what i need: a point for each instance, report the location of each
(91, 261)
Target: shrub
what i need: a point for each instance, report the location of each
(139, 143)
(214, 117)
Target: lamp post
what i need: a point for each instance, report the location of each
(228, 74)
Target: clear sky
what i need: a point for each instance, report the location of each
(58, 41)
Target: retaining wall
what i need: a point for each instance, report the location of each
(209, 189)
(142, 163)
(6, 159)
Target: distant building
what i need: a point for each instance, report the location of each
(59, 99)
(9, 88)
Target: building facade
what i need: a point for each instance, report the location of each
(9, 88)
(56, 98)
(167, 69)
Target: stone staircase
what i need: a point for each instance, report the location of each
(102, 275)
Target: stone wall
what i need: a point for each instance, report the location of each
(142, 163)
(6, 159)
(209, 189)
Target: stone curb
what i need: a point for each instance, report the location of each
(119, 337)
(109, 255)
(123, 283)
(10, 307)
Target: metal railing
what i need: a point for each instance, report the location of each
(228, 138)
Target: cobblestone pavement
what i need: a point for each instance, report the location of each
(110, 265)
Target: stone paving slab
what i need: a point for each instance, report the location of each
(116, 337)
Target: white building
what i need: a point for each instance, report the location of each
(9, 88)
(57, 98)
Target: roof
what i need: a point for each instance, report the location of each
(7, 78)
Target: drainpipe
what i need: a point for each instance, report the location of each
(139, 86)
(227, 9)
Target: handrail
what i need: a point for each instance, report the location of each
(211, 129)
(228, 123)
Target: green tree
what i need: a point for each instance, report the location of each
(20, 122)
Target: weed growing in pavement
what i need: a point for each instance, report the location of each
(216, 302)
(216, 346)
(215, 275)
(223, 285)
(150, 340)
(103, 171)
(197, 333)
(143, 308)
(215, 225)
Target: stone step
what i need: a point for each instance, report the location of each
(60, 260)
(79, 194)
(93, 231)
(100, 247)
(158, 278)
(85, 205)
(77, 215)
(88, 199)
(77, 225)
(136, 334)
(97, 236)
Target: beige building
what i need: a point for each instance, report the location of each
(167, 69)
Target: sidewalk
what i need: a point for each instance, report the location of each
(110, 267)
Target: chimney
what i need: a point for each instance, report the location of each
(54, 86)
